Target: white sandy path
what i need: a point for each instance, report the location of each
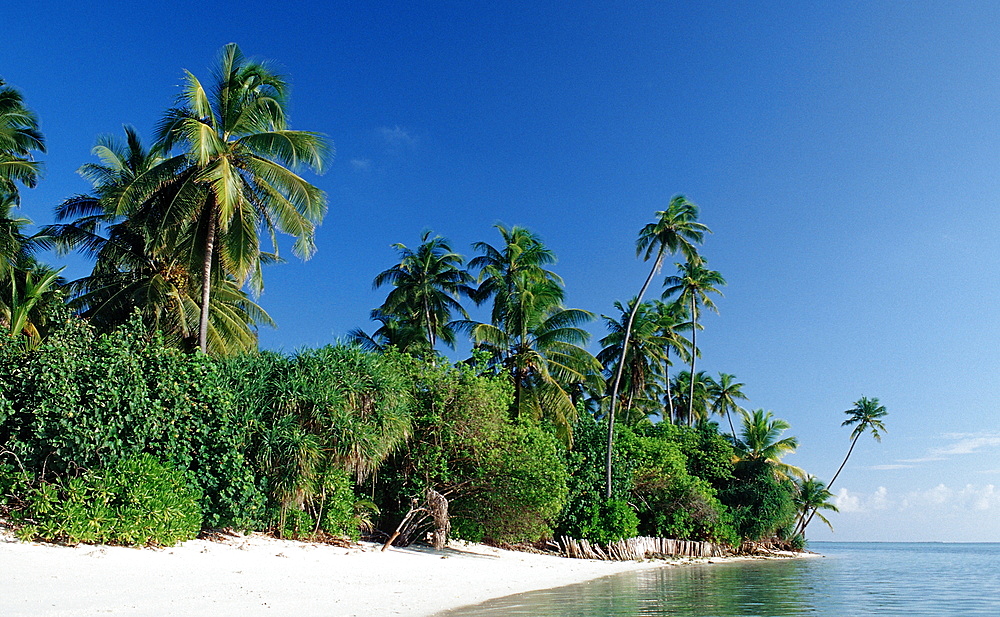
(255, 575)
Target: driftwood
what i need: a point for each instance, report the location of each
(639, 548)
(431, 513)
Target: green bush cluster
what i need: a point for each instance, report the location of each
(134, 501)
(654, 492)
(505, 478)
(290, 443)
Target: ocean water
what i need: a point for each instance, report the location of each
(850, 580)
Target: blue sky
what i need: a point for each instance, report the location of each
(845, 156)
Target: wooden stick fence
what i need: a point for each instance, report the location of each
(639, 548)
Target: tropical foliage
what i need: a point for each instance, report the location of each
(114, 428)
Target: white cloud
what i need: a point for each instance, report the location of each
(887, 467)
(397, 136)
(846, 502)
(361, 164)
(939, 498)
(963, 443)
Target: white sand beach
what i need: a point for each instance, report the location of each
(257, 575)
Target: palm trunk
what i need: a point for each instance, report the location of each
(206, 276)
(666, 383)
(694, 352)
(806, 521)
(729, 416)
(621, 366)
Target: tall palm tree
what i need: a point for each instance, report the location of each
(812, 495)
(426, 285)
(532, 336)
(761, 440)
(866, 414)
(693, 284)
(723, 396)
(19, 138)
(129, 226)
(240, 152)
(676, 229)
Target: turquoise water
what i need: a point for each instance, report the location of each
(851, 579)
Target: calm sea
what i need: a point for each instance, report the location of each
(851, 579)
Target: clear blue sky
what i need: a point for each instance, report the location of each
(845, 155)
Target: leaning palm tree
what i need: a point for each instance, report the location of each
(867, 415)
(19, 138)
(723, 396)
(240, 152)
(675, 230)
(811, 495)
(427, 283)
(761, 440)
(693, 284)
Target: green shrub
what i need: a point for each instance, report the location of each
(136, 501)
(505, 479)
(761, 503)
(81, 400)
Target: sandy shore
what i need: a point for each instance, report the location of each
(256, 575)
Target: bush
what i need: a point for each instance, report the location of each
(761, 503)
(85, 401)
(136, 501)
(505, 479)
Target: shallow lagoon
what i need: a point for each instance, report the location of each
(851, 579)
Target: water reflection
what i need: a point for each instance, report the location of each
(853, 579)
(764, 588)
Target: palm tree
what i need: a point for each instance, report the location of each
(426, 285)
(698, 388)
(693, 284)
(672, 319)
(645, 356)
(723, 396)
(675, 230)
(129, 226)
(761, 441)
(812, 495)
(867, 415)
(396, 332)
(240, 153)
(19, 137)
(532, 337)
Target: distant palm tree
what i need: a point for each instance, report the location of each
(646, 352)
(396, 332)
(242, 157)
(427, 283)
(675, 230)
(532, 337)
(672, 319)
(867, 415)
(761, 440)
(19, 137)
(723, 396)
(693, 284)
(812, 495)
(692, 395)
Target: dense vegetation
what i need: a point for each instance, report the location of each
(135, 407)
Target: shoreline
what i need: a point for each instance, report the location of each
(245, 575)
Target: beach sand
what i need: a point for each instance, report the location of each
(257, 575)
